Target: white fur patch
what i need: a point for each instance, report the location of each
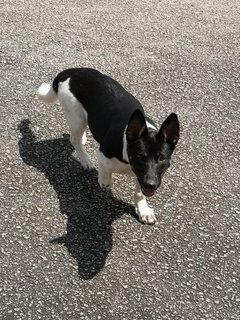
(71, 106)
(150, 126)
(114, 165)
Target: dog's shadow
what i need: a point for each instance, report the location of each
(89, 209)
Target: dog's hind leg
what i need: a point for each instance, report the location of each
(76, 138)
(144, 212)
(76, 117)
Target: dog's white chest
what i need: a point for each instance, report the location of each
(120, 167)
(114, 165)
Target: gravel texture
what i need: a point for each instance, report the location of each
(70, 251)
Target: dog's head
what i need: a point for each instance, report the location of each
(149, 151)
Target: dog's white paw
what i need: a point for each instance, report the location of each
(88, 166)
(105, 179)
(105, 184)
(86, 163)
(146, 215)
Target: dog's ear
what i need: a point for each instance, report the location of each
(136, 126)
(169, 131)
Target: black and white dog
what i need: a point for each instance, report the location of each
(129, 142)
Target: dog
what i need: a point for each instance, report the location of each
(129, 142)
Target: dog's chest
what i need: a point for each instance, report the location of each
(120, 167)
(114, 165)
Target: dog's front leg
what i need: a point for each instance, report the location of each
(144, 212)
(104, 178)
(104, 172)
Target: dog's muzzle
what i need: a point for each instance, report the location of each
(148, 192)
(149, 187)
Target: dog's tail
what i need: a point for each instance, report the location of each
(46, 93)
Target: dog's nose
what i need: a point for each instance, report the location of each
(150, 185)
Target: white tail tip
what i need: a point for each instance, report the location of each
(46, 93)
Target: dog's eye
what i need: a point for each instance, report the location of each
(159, 157)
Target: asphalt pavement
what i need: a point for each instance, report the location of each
(68, 249)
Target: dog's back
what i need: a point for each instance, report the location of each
(106, 102)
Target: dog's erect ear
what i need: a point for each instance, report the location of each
(169, 131)
(136, 126)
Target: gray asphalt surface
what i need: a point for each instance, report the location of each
(70, 251)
